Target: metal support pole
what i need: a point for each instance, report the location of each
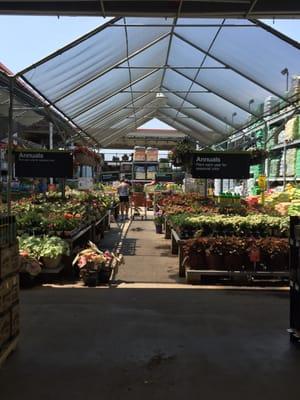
(284, 165)
(265, 163)
(9, 144)
(51, 143)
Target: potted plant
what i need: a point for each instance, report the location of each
(29, 269)
(234, 252)
(181, 154)
(275, 253)
(214, 253)
(94, 264)
(52, 250)
(158, 221)
(195, 251)
(257, 156)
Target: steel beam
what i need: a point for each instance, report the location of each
(125, 130)
(64, 48)
(210, 90)
(115, 111)
(190, 8)
(114, 66)
(249, 78)
(202, 134)
(107, 97)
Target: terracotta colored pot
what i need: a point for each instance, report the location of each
(233, 261)
(197, 260)
(279, 262)
(51, 262)
(214, 261)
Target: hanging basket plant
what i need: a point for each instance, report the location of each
(85, 156)
(181, 155)
(257, 156)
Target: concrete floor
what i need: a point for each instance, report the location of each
(152, 344)
(147, 256)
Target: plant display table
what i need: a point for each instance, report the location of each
(243, 248)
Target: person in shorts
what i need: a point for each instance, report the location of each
(123, 192)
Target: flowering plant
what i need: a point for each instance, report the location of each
(93, 257)
(158, 217)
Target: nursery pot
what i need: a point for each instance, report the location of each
(214, 261)
(104, 274)
(233, 261)
(278, 262)
(197, 260)
(51, 262)
(158, 228)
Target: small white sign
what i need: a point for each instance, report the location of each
(85, 183)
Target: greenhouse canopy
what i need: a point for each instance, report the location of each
(206, 78)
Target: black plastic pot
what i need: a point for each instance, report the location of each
(158, 228)
(104, 274)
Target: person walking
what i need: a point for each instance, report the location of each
(123, 192)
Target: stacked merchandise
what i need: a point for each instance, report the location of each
(259, 135)
(269, 104)
(164, 165)
(151, 171)
(281, 165)
(298, 163)
(255, 170)
(274, 167)
(281, 137)
(139, 172)
(9, 287)
(290, 162)
(292, 129)
(139, 154)
(296, 87)
(272, 139)
(151, 154)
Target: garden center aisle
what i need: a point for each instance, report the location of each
(147, 255)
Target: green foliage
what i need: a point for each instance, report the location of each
(213, 225)
(43, 246)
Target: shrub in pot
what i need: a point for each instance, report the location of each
(234, 252)
(195, 251)
(52, 250)
(275, 253)
(158, 221)
(214, 253)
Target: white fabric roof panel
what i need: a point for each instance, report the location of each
(215, 74)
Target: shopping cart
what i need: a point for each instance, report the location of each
(138, 205)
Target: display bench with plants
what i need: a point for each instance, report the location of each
(201, 228)
(233, 227)
(51, 229)
(193, 203)
(246, 258)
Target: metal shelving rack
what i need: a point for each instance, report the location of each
(145, 164)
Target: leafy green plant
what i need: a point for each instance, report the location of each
(43, 246)
(53, 246)
(30, 245)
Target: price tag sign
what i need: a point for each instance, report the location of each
(262, 182)
(254, 255)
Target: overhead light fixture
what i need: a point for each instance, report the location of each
(161, 99)
(250, 102)
(285, 71)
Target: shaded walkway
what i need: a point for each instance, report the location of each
(147, 256)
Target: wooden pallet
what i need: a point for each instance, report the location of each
(8, 350)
